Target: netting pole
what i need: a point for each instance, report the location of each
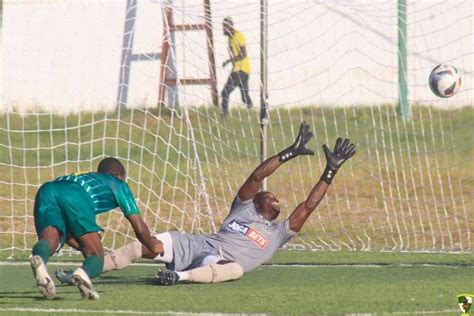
(402, 59)
(263, 83)
(127, 51)
(210, 52)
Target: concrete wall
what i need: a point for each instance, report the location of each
(63, 56)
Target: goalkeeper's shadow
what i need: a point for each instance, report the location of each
(126, 281)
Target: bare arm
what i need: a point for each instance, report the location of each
(304, 209)
(143, 234)
(342, 152)
(252, 185)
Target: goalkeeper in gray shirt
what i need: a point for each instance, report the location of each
(249, 235)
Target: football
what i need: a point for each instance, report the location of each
(444, 80)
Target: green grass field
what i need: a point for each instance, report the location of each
(296, 283)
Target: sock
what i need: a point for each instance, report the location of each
(42, 249)
(122, 257)
(183, 275)
(93, 266)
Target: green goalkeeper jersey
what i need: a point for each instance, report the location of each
(106, 191)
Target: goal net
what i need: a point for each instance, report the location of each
(80, 81)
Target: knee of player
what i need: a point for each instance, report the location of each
(233, 269)
(239, 270)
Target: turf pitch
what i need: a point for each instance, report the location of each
(295, 282)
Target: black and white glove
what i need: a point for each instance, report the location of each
(342, 152)
(298, 148)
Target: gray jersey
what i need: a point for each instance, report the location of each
(247, 238)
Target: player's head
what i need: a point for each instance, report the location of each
(267, 205)
(228, 26)
(112, 166)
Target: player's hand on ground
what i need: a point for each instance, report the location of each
(299, 146)
(226, 62)
(343, 150)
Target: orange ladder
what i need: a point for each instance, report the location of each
(166, 79)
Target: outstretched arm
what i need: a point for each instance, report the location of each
(342, 152)
(252, 185)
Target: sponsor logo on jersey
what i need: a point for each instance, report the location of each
(251, 233)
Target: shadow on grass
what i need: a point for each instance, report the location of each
(121, 280)
(139, 281)
(22, 295)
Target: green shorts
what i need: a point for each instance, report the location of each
(66, 206)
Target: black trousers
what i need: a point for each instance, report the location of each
(236, 79)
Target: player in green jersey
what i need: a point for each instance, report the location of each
(65, 211)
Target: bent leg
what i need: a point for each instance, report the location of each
(50, 229)
(65, 275)
(47, 244)
(91, 247)
(49, 223)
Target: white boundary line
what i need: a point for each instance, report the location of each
(105, 311)
(406, 313)
(368, 265)
(133, 312)
(277, 265)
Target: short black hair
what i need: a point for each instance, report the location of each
(111, 166)
(259, 197)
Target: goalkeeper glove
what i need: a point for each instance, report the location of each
(342, 152)
(298, 148)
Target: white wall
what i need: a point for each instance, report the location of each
(63, 56)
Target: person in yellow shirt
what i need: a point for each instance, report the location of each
(239, 77)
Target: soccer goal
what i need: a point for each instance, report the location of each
(81, 81)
